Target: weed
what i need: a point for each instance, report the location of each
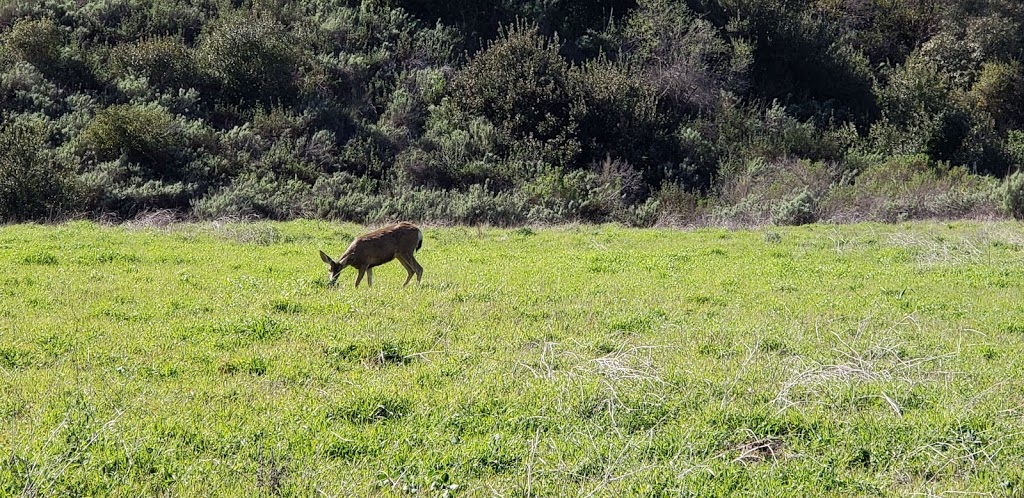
(41, 258)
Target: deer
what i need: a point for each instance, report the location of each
(399, 241)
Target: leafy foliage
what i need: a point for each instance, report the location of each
(520, 83)
(166, 62)
(34, 183)
(800, 210)
(552, 110)
(146, 134)
(251, 57)
(1013, 195)
(37, 42)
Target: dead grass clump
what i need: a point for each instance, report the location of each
(159, 218)
(760, 449)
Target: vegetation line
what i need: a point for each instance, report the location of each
(641, 112)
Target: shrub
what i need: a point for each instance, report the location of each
(33, 183)
(165, 61)
(575, 195)
(994, 36)
(519, 83)
(37, 42)
(683, 56)
(800, 210)
(368, 154)
(124, 189)
(908, 187)
(999, 91)
(479, 205)
(344, 196)
(304, 158)
(618, 118)
(772, 191)
(145, 134)
(474, 206)
(677, 206)
(926, 109)
(24, 88)
(450, 145)
(801, 60)
(365, 53)
(771, 133)
(1014, 147)
(251, 57)
(1013, 195)
(262, 196)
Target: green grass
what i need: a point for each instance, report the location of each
(197, 360)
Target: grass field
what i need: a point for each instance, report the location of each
(211, 359)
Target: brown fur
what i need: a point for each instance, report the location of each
(399, 241)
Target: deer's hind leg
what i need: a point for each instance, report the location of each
(408, 267)
(413, 266)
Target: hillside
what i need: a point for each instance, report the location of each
(640, 112)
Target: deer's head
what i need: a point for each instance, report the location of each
(333, 268)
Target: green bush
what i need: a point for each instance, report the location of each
(1014, 147)
(125, 189)
(33, 183)
(145, 134)
(999, 91)
(258, 196)
(575, 195)
(677, 206)
(802, 60)
(618, 117)
(454, 149)
(683, 56)
(771, 191)
(744, 135)
(165, 61)
(476, 205)
(24, 88)
(344, 196)
(800, 210)
(1013, 195)
(251, 57)
(928, 107)
(520, 84)
(908, 187)
(37, 42)
(368, 154)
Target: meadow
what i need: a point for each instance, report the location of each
(212, 359)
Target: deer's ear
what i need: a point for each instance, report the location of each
(327, 259)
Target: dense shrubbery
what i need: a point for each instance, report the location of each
(635, 111)
(34, 181)
(1013, 195)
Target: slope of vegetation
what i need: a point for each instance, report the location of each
(636, 111)
(210, 359)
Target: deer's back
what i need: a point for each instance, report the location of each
(380, 246)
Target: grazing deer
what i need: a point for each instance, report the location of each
(378, 247)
